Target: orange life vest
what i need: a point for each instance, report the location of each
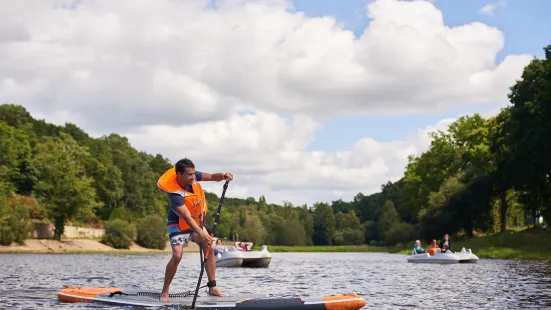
(195, 202)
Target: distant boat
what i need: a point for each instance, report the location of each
(467, 256)
(437, 257)
(232, 257)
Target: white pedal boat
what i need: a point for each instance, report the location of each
(438, 258)
(467, 256)
(231, 257)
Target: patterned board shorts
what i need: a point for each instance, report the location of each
(180, 239)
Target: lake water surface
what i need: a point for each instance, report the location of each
(386, 281)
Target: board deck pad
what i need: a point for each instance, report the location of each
(151, 298)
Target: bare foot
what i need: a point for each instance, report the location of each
(214, 291)
(164, 297)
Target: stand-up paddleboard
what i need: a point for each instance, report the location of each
(148, 298)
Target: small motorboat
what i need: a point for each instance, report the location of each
(232, 257)
(467, 256)
(229, 258)
(437, 257)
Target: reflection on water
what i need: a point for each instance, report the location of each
(386, 281)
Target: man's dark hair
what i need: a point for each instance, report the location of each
(182, 164)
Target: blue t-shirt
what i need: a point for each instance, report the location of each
(176, 200)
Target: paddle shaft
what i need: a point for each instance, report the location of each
(203, 247)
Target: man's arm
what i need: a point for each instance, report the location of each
(217, 177)
(183, 212)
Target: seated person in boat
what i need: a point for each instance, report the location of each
(434, 247)
(219, 248)
(446, 240)
(244, 246)
(417, 248)
(445, 247)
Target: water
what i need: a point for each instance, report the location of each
(386, 281)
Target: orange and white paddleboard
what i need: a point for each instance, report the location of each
(148, 298)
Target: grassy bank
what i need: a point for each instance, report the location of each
(527, 244)
(335, 248)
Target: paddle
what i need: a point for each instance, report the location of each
(204, 262)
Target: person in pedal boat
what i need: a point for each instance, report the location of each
(243, 246)
(418, 248)
(188, 208)
(447, 240)
(219, 248)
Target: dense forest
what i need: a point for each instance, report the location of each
(479, 176)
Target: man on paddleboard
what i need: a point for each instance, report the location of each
(187, 210)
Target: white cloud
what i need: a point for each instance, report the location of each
(268, 154)
(490, 8)
(175, 62)
(176, 75)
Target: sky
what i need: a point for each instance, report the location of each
(303, 101)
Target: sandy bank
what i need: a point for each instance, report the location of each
(80, 246)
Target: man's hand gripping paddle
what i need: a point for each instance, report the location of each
(203, 247)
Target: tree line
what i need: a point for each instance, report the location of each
(479, 176)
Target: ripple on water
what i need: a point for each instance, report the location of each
(387, 281)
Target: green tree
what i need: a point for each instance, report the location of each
(370, 230)
(369, 208)
(16, 116)
(119, 234)
(290, 232)
(15, 221)
(349, 230)
(15, 154)
(437, 219)
(273, 225)
(62, 184)
(252, 229)
(324, 224)
(307, 222)
(425, 174)
(527, 135)
(388, 219)
(503, 176)
(152, 232)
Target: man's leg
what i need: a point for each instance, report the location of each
(178, 243)
(211, 273)
(211, 267)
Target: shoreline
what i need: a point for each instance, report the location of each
(60, 247)
(81, 246)
(529, 244)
